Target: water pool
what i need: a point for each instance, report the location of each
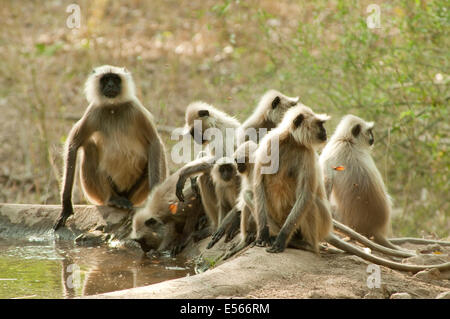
(55, 269)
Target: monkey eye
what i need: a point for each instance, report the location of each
(151, 221)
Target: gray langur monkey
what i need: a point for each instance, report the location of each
(245, 159)
(292, 201)
(243, 209)
(210, 117)
(356, 190)
(165, 223)
(227, 183)
(122, 155)
(355, 187)
(266, 116)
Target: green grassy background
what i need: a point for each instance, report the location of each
(228, 53)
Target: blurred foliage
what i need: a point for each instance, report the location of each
(228, 53)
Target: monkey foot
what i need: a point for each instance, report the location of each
(60, 222)
(66, 212)
(120, 202)
(276, 248)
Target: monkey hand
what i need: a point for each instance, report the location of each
(66, 212)
(180, 187)
(216, 237)
(233, 229)
(178, 246)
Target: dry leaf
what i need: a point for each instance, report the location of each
(173, 208)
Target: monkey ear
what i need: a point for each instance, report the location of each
(125, 70)
(275, 102)
(356, 130)
(298, 120)
(93, 71)
(203, 113)
(151, 221)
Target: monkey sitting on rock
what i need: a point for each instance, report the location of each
(122, 155)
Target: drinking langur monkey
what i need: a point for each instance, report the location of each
(165, 223)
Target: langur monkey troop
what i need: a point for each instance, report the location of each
(292, 202)
(122, 155)
(122, 161)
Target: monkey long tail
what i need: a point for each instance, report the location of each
(418, 241)
(339, 243)
(364, 240)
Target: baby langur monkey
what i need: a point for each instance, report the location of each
(210, 117)
(244, 157)
(122, 157)
(243, 208)
(293, 200)
(268, 113)
(227, 183)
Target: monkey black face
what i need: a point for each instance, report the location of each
(110, 85)
(322, 135)
(241, 166)
(151, 236)
(226, 172)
